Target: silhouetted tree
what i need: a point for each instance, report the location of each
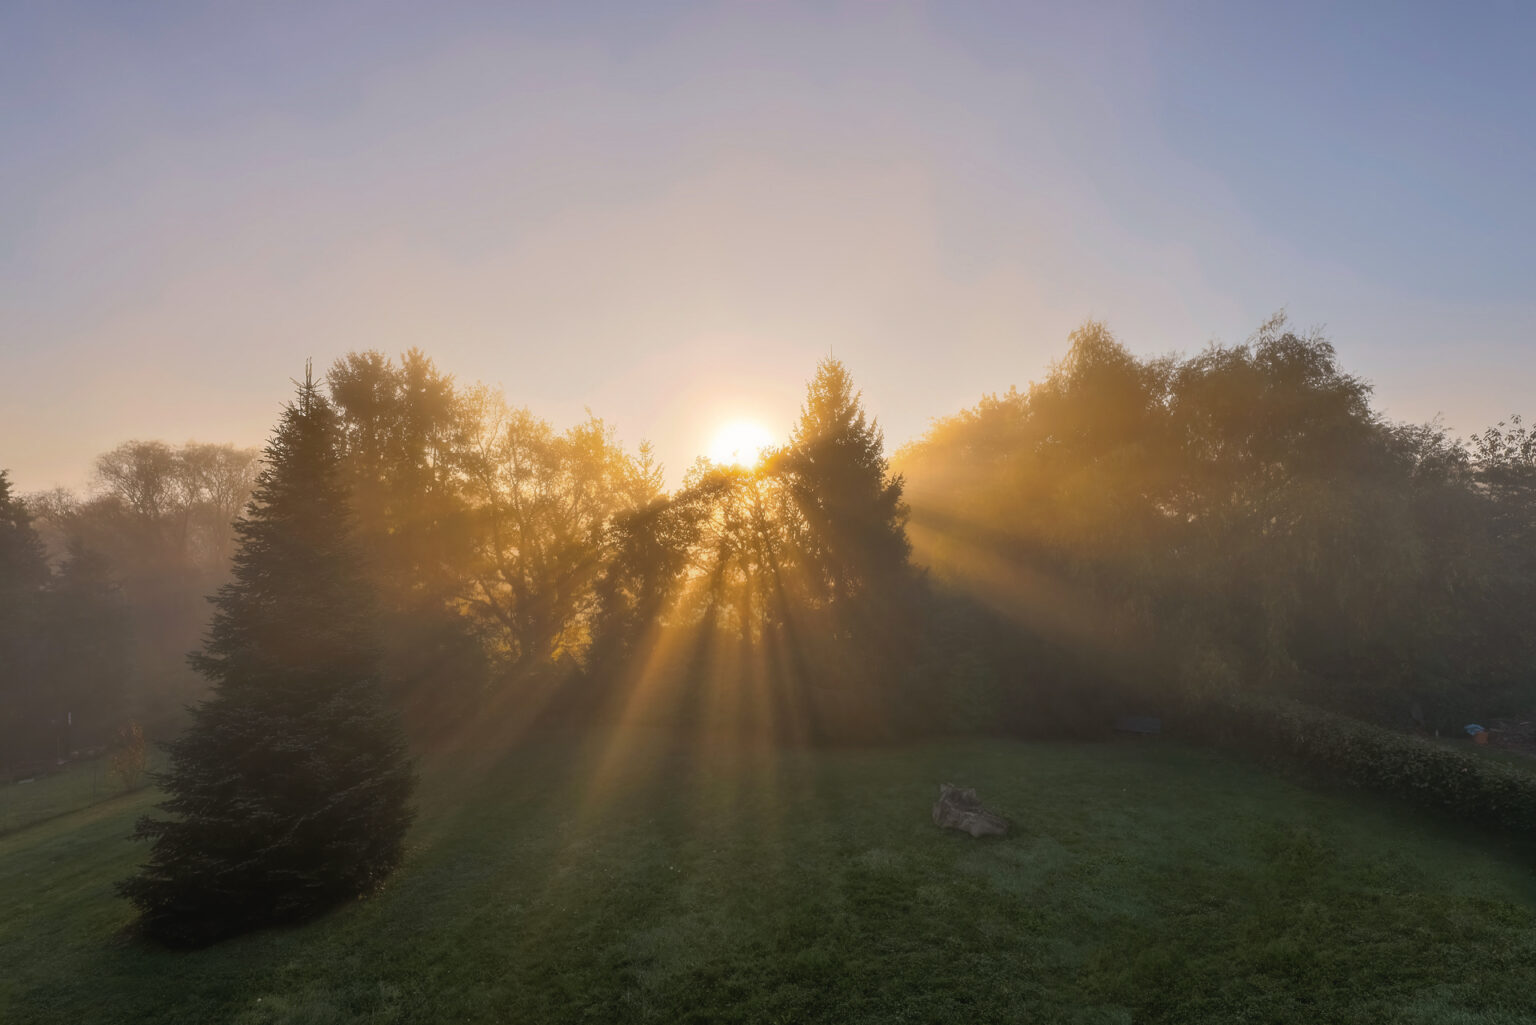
(88, 639)
(1240, 518)
(162, 520)
(838, 477)
(648, 554)
(24, 576)
(541, 501)
(845, 549)
(289, 791)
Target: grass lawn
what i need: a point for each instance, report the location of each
(649, 881)
(73, 787)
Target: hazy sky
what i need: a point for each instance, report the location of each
(669, 211)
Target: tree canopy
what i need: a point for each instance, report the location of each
(1240, 518)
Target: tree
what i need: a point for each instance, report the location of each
(23, 562)
(289, 791)
(130, 757)
(404, 431)
(23, 577)
(161, 518)
(86, 634)
(845, 550)
(647, 555)
(836, 472)
(164, 510)
(1240, 518)
(541, 502)
(404, 428)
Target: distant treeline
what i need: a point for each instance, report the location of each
(102, 597)
(1236, 520)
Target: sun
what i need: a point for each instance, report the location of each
(739, 443)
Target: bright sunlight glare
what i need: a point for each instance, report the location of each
(739, 443)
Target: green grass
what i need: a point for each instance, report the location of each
(78, 785)
(656, 882)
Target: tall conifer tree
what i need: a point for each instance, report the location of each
(852, 546)
(24, 577)
(289, 791)
(837, 472)
(86, 658)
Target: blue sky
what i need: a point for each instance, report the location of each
(668, 212)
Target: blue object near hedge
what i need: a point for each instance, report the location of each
(1473, 729)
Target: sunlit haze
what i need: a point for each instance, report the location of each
(740, 443)
(645, 208)
(767, 511)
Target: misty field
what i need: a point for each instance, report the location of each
(641, 880)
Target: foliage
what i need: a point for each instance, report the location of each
(130, 755)
(541, 501)
(64, 645)
(88, 641)
(288, 792)
(1126, 529)
(648, 553)
(1243, 507)
(21, 549)
(405, 429)
(157, 504)
(1345, 751)
(159, 527)
(24, 575)
(835, 472)
(785, 583)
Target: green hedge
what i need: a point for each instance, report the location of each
(1429, 774)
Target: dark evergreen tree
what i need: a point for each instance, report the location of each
(835, 467)
(289, 791)
(23, 562)
(850, 548)
(23, 577)
(86, 663)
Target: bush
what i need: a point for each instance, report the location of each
(129, 756)
(1358, 754)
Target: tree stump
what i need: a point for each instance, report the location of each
(960, 808)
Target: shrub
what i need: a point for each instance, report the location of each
(129, 755)
(1358, 754)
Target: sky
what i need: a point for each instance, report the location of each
(667, 213)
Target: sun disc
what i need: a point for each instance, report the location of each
(739, 443)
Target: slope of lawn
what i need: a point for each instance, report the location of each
(73, 787)
(644, 880)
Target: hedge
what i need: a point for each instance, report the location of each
(1359, 754)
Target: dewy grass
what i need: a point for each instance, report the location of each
(647, 880)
